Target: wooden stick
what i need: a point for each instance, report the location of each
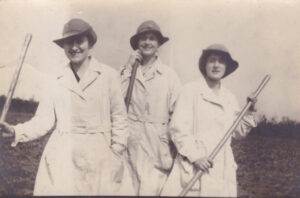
(14, 81)
(228, 134)
(131, 83)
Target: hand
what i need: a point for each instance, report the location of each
(203, 164)
(253, 99)
(118, 149)
(134, 56)
(7, 131)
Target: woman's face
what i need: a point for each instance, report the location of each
(148, 44)
(77, 49)
(215, 67)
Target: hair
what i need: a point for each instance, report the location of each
(206, 54)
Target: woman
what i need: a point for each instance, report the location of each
(204, 112)
(155, 91)
(86, 110)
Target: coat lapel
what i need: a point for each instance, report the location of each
(208, 95)
(68, 80)
(90, 76)
(157, 68)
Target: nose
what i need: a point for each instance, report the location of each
(147, 40)
(217, 63)
(74, 45)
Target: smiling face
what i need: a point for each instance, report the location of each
(215, 67)
(77, 49)
(148, 43)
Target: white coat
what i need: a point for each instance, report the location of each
(200, 120)
(153, 100)
(88, 119)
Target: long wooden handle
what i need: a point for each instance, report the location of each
(16, 75)
(131, 83)
(228, 134)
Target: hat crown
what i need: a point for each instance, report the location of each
(75, 26)
(218, 47)
(148, 26)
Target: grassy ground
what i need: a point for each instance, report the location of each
(268, 165)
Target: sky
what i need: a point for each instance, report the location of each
(262, 35)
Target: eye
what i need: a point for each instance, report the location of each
(152, 38)
(212, 59)
(68, 41)
(142, 37)
(222, 60)
(79, 40)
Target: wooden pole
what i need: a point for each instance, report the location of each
(228, 134)
(131, 83)
(14, 81)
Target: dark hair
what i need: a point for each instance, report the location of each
(206, 54)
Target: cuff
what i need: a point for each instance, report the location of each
(200, 152)
(18, 136)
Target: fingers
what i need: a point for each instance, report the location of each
(211, 163)
(134, 56)
(3, 126)
(7, 135)
(204, 164)
(138, 56)
(251, 98)
(6, 130)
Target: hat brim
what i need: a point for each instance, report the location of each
(60, 42)
(231, 64)
(134, 38)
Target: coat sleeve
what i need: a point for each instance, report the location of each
(246, 124)
(43, 121)
(118, 113)
(182, 127)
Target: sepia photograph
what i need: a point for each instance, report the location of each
(150, 98)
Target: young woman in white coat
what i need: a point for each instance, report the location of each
(86, 110)
(155, 92)
(203, 113)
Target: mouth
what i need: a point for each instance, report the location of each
(74, 52)
(147, 47)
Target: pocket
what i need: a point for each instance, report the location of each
(117, 166)
(166, 158)
(187, 171)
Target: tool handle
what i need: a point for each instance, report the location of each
(131, 83)
(16, 75)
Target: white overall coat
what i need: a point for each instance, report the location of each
(88, 119)
(153, 99)
(200, 120)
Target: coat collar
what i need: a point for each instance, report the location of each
(68, 80)
(207, 94)
(156, 68)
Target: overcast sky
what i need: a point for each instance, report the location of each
(262, 35)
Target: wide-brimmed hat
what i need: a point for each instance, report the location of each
(231, 64)
(147, 26)
(76, 27)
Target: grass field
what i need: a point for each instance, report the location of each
(268, 164)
